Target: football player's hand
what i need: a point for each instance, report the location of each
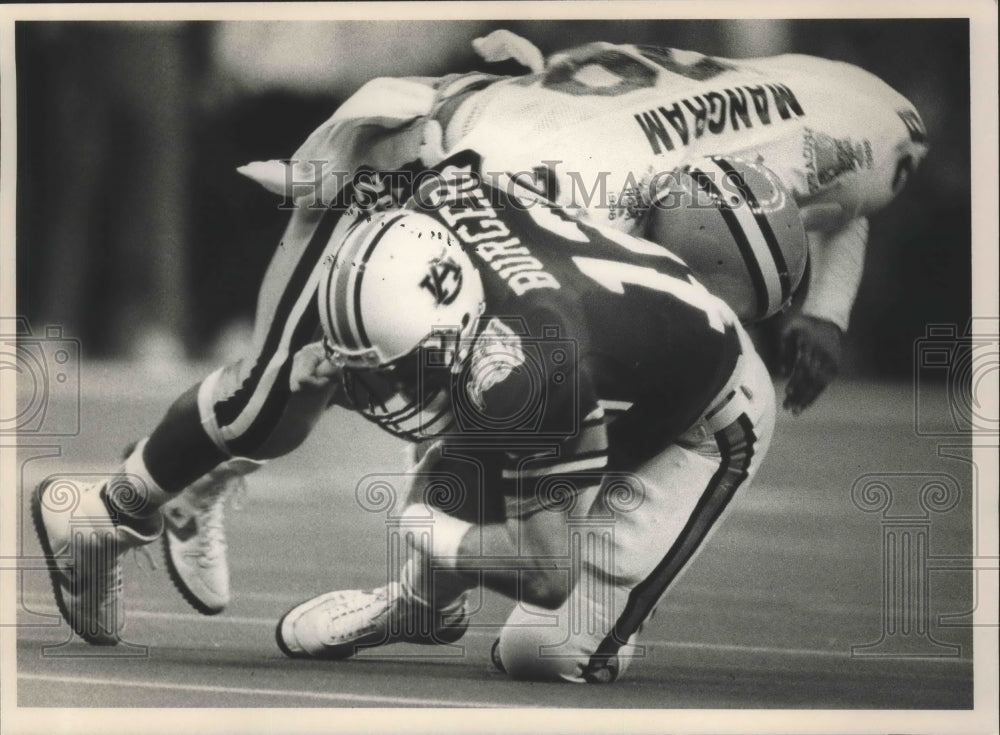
(422, 461)
(421, 456)
(311, 371)
(810, 359)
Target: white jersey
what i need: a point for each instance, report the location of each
(606, 120)
(602, 124)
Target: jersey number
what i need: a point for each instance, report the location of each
(596, 70)
(613, 275)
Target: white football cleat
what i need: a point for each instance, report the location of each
(84, 545)
(195, 542)
(338, 624)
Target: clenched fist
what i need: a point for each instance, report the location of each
(311, 371)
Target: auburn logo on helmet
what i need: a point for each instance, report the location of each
(443, 279)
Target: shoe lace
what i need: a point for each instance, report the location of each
(109, 584)
(209, 506)
(354, 614)
(142, 555)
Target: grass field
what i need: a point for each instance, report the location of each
(764, 618)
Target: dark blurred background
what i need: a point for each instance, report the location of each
(137, 235)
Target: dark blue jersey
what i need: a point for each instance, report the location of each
(581, 325)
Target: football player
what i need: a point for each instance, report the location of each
(580, 375)
(266, 405)
(599, 128)
(850, 149)
(602, 129)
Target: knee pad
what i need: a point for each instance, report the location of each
(540, 645)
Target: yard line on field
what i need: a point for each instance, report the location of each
(289, 597)
(285, 597)
(256, 692)
(659, 643)
(194, 618)
(737, 648)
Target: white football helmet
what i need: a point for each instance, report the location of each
(738, 228)
(400, 281)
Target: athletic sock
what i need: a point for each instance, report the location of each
(441, 590)
(133, 497)
(428, 575)
(143, 525)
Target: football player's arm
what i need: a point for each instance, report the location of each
(317, 383)
(312, 371)
(551, 466)
(313, 384)
(378, 127)
(533, 545)
(532, 537)
(502, 45)
(811, 339)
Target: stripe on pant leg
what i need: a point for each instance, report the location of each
(229, 409)
(268, 416)
(303, 327)
(736, 445)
